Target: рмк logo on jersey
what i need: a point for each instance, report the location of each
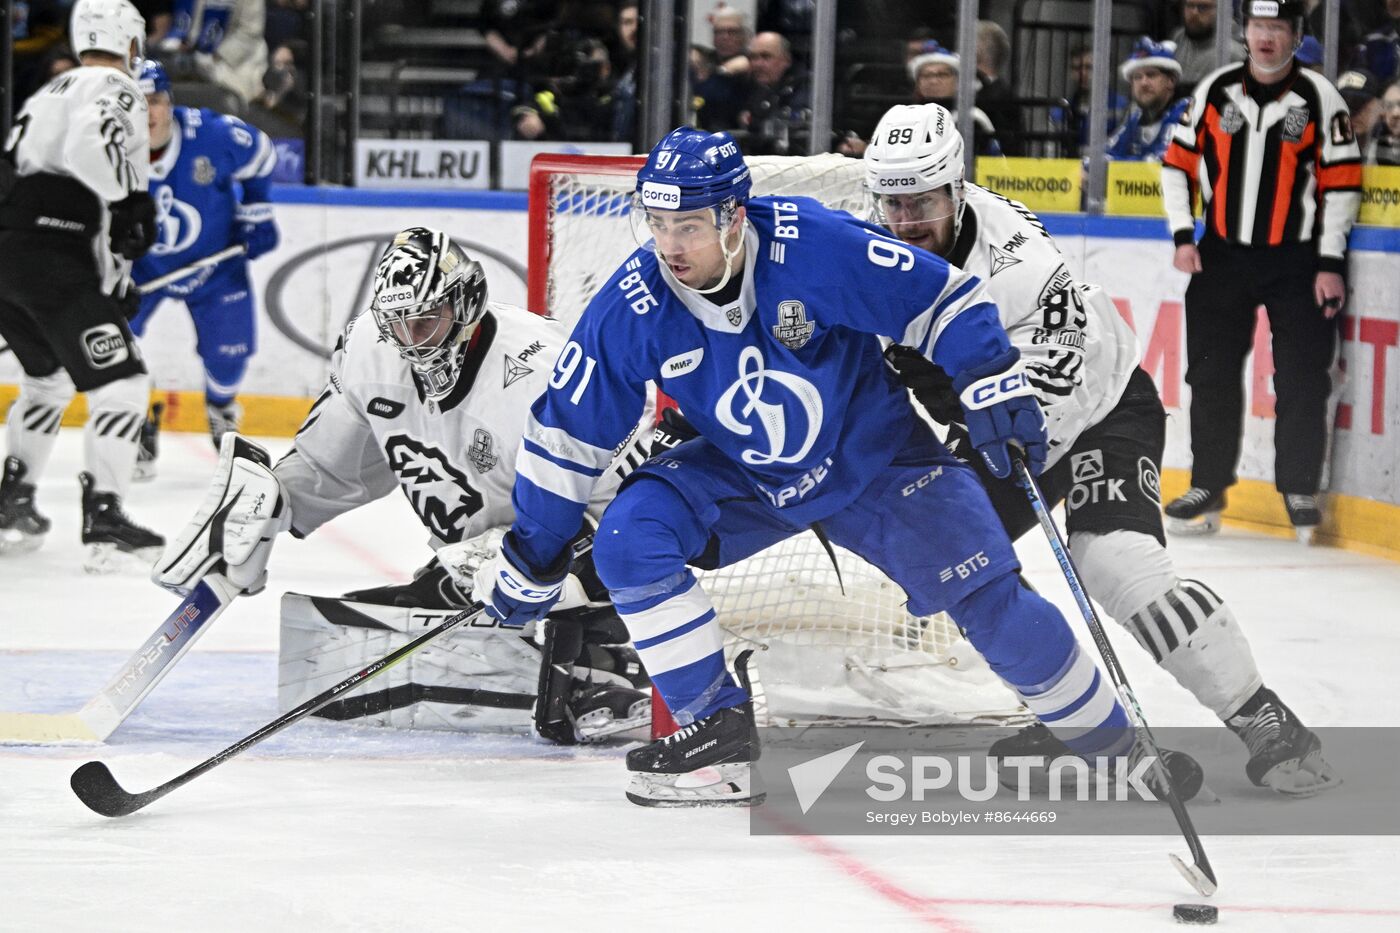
(753, 379)
(437, 490)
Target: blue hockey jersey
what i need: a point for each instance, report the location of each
(213, 163)
(788, 380)
(1143, 140)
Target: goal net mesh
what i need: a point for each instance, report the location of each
(828, 647)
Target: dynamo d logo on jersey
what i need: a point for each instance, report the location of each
(667, 197)
(178, 224)
(744, 402)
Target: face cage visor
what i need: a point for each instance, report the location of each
(427, 334)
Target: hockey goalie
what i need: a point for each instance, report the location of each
(430, 393)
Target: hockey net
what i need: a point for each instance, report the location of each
(828, 647)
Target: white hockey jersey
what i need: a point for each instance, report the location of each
(1078, 350)
(89, 124)
(371, 430)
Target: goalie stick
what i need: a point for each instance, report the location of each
(1199, 874)
(100, 792)
(101, 715)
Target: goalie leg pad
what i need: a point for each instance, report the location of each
(233, 530)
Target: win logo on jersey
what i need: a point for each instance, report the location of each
(437, 490)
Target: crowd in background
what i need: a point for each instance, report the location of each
(567, 70)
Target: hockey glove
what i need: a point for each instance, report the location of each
(931, 386)
(233, 531)
(513, 591)
(256, 229)
(133, 228)
(1002, 411)
(671, 431)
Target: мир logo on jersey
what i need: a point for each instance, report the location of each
(438, 491)
(793, 330)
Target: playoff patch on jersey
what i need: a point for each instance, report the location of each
(482, 452)
(105, 346)
(203, 171)
(437, 490)
(793, 330)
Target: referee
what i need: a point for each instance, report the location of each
(1270, 146)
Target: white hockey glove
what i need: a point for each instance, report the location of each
(464, 560)
(232, 532)
(513, 591)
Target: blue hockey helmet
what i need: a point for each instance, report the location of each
(154, 80)
(691, 169)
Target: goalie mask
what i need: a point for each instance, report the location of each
(914, 176)
(429, 297)
(687, 206)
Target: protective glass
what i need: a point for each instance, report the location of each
(422, 331)
(677, 235)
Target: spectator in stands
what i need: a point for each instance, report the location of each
(778, 112)
(1384, 147)
(280, 110)
(157, 14)
(994, 94)
(515, 31)
(1195, 42)
(577, 104)
(286, 22)
(624, 69)
(920, 41)
(721, 95)
(935, 77)
(240, 60)
(788, 17)
(1361, 91)
(1152, 73)
(1309, 53)
(1379, 52)
(1073, 121)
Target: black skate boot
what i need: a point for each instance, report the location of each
(148, 444)
(21, 527)
(108, 532)
(1284, 755)
(714, 753)
(1195, 512)
(1036, 740)
(223, 419)
(1304, 513)
(602, 709)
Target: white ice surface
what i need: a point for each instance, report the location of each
(336, 827)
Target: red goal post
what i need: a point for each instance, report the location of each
(829, 647)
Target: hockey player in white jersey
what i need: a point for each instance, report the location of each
(1106, 430)
(429, 393)
(760, 318)
(74, 213)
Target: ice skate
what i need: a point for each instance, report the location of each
(600, 710)
(1284, 755)
(223, 419)
(147, 445)
(112, 538)
(1304, 513)
(21, 527)
(1036, 740)
(704, 764)
(1195, 512)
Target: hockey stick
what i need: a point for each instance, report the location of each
(100, 792)
(101, 715)
(213, 259)
(1199, 874)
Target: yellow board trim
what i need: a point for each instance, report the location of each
(1350, 522)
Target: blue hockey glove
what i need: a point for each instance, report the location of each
(513, 591)
(1002, 410)
(256, 228)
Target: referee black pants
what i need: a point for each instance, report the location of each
(1220, 312)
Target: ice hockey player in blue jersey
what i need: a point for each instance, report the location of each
(210, 176)
(760, 318)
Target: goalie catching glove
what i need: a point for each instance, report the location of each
(232, 532)
(1002, 412)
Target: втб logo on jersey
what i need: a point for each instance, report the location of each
(437, 490)
(753, 379)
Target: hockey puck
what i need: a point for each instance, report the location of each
(1194, 913)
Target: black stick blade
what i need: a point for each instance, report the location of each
(100, 792)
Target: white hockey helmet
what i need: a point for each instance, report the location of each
(916, 148)
(111, 26)
(429, 297)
